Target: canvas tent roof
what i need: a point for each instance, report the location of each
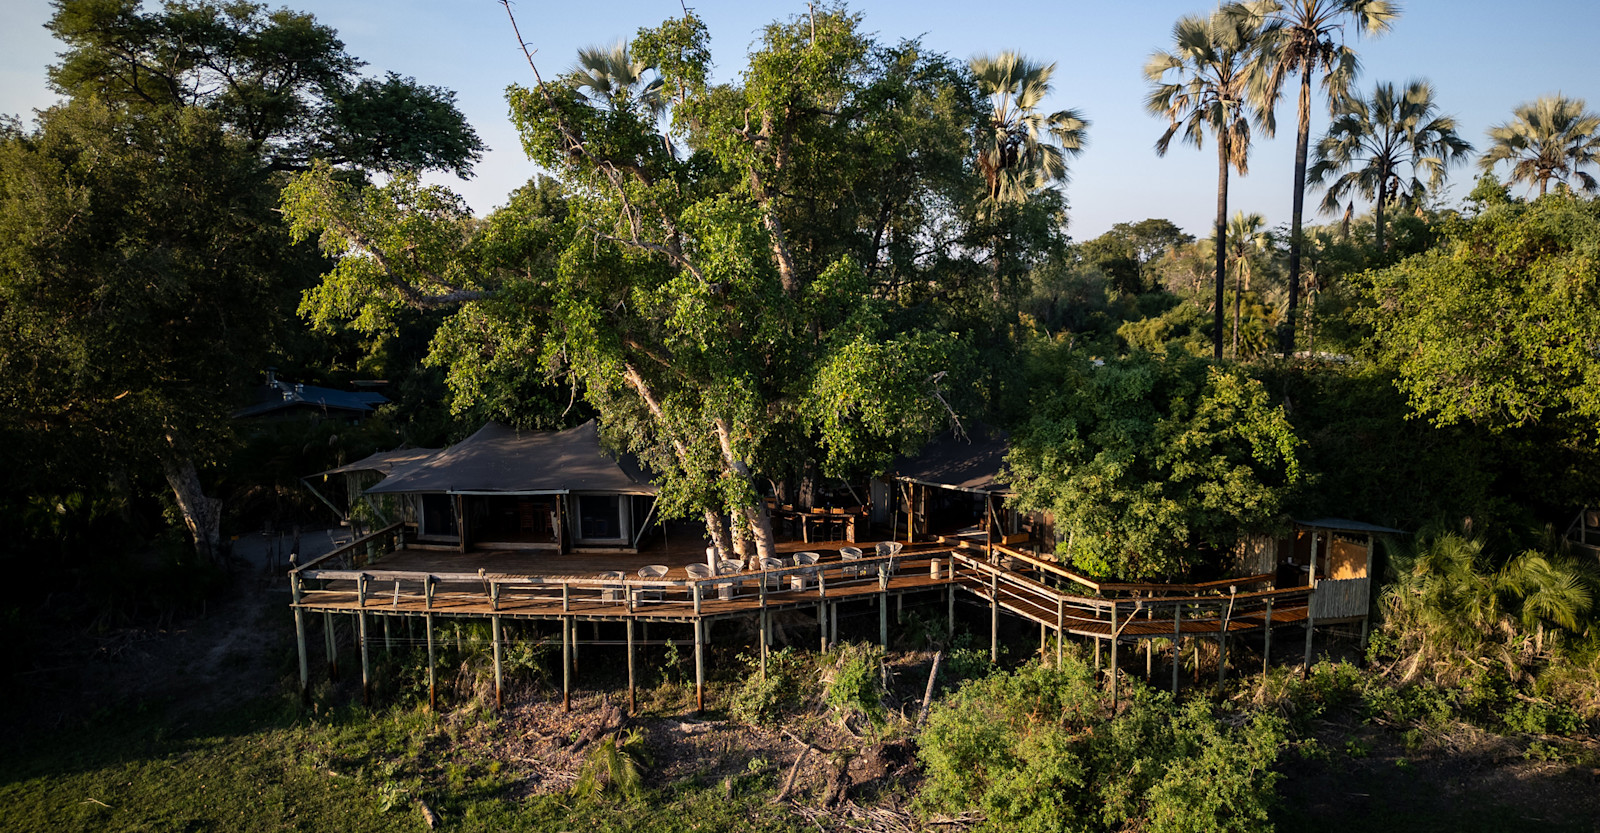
(383, 462)
(499, 459)
(1343, 525)
(971, 464)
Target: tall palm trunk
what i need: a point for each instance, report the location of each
(1377, 210)
(1302, 142)
(1238, 295)
(1222, 242)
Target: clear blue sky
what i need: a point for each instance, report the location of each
(1483, 59)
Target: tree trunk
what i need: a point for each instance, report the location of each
(1377, 212)
(717, 531)
(1302, 141)
(201, 514)
(1222, 241)
(758, 522)
(1238, 295)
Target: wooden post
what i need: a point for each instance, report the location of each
(1061, 622)
(499, 696)
(633, 692)
(822, 624)
(332, 641)
(1311, 599)
(366, 668)
(433, 700)
(1266, 645)
(1113, 656)
(300, 641)
(388, 641)
(883, 606)
(1177, 639)
(950, 600)
(566, 662)
(994, 617)
(699, 666)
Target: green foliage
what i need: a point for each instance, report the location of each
(616, 764)
(764, 699)
(854, 683)
(1141, 460)
(1036, 750)
(1496, 326)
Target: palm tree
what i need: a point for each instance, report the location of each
(1373, 140)
(1247, 238)
(1022, 149)
(1550, 138)
(1306, 37)
(1202, 85)
(609, 78)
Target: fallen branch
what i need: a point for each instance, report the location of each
(927, 693)
(427, 814)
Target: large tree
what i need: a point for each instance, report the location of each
(146, 271)
(1394, 146)
(1202, 85)
(1496, 325)
(1152, 465)
(1550, 138)
(1307, 37)
(727, 310)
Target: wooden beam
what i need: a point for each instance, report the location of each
(566, 663)
(366, 668)
(699, 666)
(1113, 657)
(300, 641)
(1266, 647)
(332, 641)
(1177, 641)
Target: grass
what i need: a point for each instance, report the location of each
(265, 765)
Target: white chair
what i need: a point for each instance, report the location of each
(610, 592)
(774, 580)
(652, 572)
(850, 554)
(890, 550)
(729, 567)
(805, 572)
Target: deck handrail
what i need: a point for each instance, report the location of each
(346, 549)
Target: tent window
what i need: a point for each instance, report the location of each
(438, 516)
(602, 518)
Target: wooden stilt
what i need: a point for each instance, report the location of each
(1097, 644)
(566, 663)
(899, 609)
(1113, 657)
(699, 666)
(883, 621)
(366, 666)
(433, 699)
(388, 641)
(1043, 642)
(332, 641)
(1061, 623)
(300, 642)
(833, 623)
(822, 623)
(1266, 645)
(994, 617)
(1311, 604)
(1177, 640)
(499, 695)
(950, 600)
(633, 691)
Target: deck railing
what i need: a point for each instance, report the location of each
(362, 550)
(442, 592)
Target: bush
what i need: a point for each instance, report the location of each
(1036, 750)
(762, 699)
(855, 686)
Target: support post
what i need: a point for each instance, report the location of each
(994, 617)
(300, 641)
(1177, 640)
(822, 624)
(1061, 623)
(388, 641)
(699, 666)
(499, 696)
(566, 663)
(883, 620)
(433, 699)
(332, 641)
(1113, 656)
(1266, 646)
(1311, 599)
(633, 691)
(366, 666)
(950, 600)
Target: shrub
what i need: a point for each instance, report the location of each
(762, 699)
(855, 685)
(1036, 750)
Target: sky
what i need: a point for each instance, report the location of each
(1483, 59)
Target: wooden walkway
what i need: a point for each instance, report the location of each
(377, 576)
